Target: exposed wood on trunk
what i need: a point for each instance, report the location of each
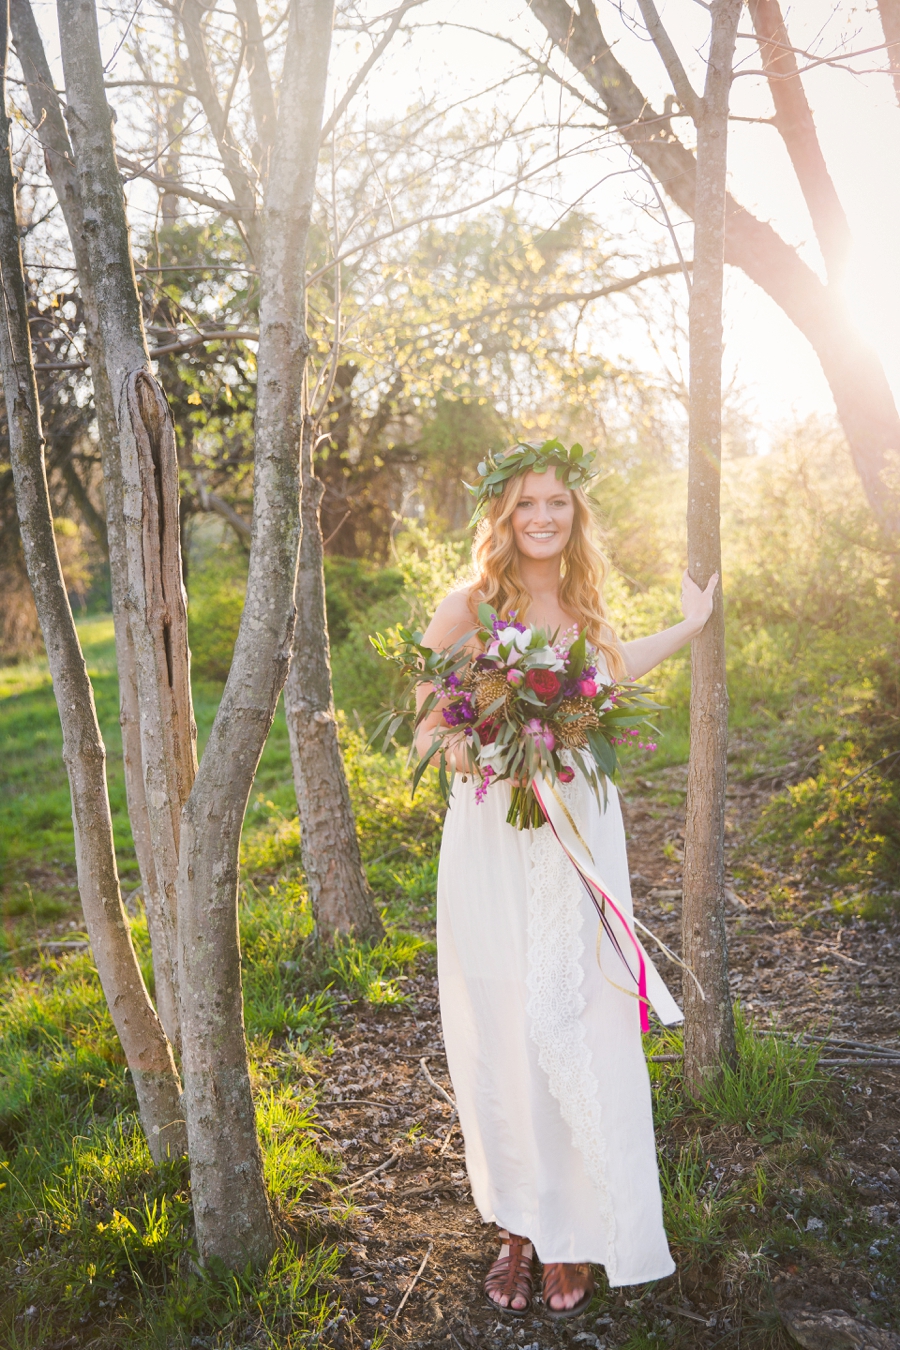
(230, 1204)
(146, 465)
(60, 162)
(862, 395)
(795, 124)
(338, 890)
(889, 11)
(709, 1025)
(144, 1042)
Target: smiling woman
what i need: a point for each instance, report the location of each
(543, 1040)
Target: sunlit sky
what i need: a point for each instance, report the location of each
(859, 126)
(856, 115)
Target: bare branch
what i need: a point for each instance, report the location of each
(889, 13)
(684, 91)
(795, 124)
(437, 215)
(219, 204)
(367, 65)
(262, 97)
(169, 349)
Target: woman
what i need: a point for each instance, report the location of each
(545, 1053)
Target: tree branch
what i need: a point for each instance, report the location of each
(889, 13)
(262, 97)
(684, 91)
(367, 65)
(795, 124)
(219, 204)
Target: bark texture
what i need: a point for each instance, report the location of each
(144, 474)
(889, 12)
(58, 157)
(231, 1208)
(794, 121)
(144, 1042)
(862, 395)
(709, 1025)
(338, 890)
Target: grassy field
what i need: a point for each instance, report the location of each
(96, 1244)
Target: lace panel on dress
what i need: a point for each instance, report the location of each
(555, 1004)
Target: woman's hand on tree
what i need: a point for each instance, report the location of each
(697, 604)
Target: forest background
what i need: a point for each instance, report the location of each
(487, 286)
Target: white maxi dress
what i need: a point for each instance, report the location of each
(544, 1052)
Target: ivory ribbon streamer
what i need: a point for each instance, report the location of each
(651, 990)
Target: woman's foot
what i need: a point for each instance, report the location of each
(509, 1284)
(567, 1289)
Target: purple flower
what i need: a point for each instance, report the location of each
(481, 791)
(460, 711)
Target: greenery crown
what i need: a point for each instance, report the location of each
(573, 468)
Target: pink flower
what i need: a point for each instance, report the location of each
(587, 688)
(537, 729)
(566, 774)
(514, 676)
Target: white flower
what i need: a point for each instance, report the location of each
(546, 658)
(511, 637)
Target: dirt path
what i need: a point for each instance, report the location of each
(376, 1105)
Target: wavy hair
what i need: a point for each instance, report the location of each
(495, 561)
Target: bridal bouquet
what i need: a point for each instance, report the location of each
(516, 706)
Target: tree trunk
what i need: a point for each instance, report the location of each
(59, 161)
(795, 125)
(862, 395)
(145, 469)
(230, 1204)
(889, 12)
(338, 891)
(144, 1042)
(709, 1025)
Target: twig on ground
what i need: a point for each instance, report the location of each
(865, 1063)
(664, 1059)
(414, 1282)
(437, 1087)
(355, 1101)
(443, 1148)
(382, 1167)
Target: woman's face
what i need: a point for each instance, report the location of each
(543, 517)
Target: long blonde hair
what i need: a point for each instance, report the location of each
(495, 559)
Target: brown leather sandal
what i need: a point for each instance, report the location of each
(511, 1276)
(561, 1278)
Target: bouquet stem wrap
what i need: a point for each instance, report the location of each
(650, 989)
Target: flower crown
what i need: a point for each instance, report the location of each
(573, 468)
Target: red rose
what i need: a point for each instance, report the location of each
(544, 683)
(488, 730)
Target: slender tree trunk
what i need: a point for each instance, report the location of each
(339, 893)
(863, 398)
(889, 11)
(59, 160)
(233, 1219)
(709, 1026)
(794, 121)
(144, 1042)
(145, 471)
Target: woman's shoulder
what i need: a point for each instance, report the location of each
(452, 618)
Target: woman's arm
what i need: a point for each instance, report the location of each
(452, 621)
(643, 654)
